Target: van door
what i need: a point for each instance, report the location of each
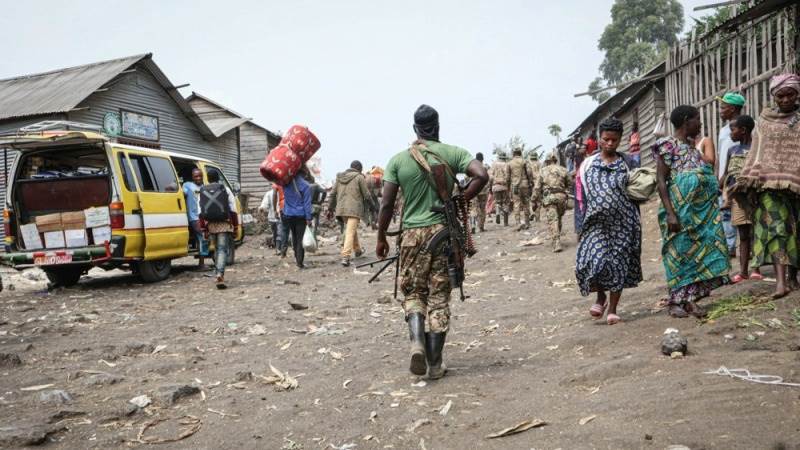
(161, 205)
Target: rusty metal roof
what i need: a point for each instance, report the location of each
(62, 90)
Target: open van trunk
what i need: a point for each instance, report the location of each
(60, 180)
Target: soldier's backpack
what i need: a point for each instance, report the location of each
(214, 203)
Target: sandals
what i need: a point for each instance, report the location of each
(755, 276)
(597, 310)
(695, 310)
(613, 319)
(738, 278)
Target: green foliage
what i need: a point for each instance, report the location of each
(638, 37)
(516, 142)
(708, 23)
(739, 304)
(595, 85)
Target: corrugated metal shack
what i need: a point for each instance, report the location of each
(252, 142)
(133, 86)
(641, 101)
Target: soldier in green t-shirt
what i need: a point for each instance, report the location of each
(423, 273)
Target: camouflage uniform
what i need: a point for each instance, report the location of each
(479, 205)
(521, 189)
(555, 182)
(536, 192)
(423, 278)
(501, 177)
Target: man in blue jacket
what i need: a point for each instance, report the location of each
(296, 216)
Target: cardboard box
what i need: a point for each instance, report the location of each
(76, 238)
(49, 222)
(30, 236)
(54, 239)
(97, 217)
(74, 220)
(101, 234)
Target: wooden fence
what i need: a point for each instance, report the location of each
(701, 68)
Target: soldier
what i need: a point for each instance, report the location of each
(501, 177)
(479, 205)
(555, 182)
(521, 183)
(424, 278)
(536, 197)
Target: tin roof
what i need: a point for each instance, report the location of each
(221, 120)
(62, 90)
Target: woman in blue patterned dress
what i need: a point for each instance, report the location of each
(609, 252)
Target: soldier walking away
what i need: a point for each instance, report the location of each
(218, 211)
(479, 205)
(521, 183)
(501, 179)
(350, 201)
(536, 191)
(427, 249)
(555, 182)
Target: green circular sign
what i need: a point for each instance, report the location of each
(112, 125)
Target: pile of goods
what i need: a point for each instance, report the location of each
(285, 161)
(72, 229)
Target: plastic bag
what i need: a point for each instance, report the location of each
(642, 184)
(660, 129)
(309, 241)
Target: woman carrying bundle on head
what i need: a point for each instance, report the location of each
(693, 247)
(609, 252)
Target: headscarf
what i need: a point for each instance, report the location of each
(784, 80)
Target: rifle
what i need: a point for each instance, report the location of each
(458, 239)
(388, 261)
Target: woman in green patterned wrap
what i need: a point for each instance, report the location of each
(771, 174)
(693, 248)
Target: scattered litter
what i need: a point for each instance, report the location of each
(297, 306)
(587, 419)
(360, 272)
(190, 424)
(561, 284)
(37, 387)
(775, 323)
(346, 383)
(256, 330)
(282, 381)
(221, 413)
(552, 347)
(674, 342)
(107, 363)
(343, 446)
(314, 330)
(373, 415)
(489, 329)
(420, 384)
(530, 243)
(446, 408)
(142, 401)
(158, 349)
(518, 428)
(744, 374)
(472, 345)
(417, 423)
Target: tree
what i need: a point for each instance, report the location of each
(555, 131)
(516, 142)
(595, 85)
(637, 38)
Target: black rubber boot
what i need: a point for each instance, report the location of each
(435, 347)
(505, 219)
(416, 330)
(497, 218)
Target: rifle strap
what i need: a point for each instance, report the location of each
(418, 150)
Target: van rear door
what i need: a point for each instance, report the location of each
(161, 205)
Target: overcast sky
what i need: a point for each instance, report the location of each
(354, 71)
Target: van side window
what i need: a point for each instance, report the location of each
(143, 174)
(127, 176)
(163, 173)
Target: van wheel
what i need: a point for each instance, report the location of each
(64, 276)
(154, 271)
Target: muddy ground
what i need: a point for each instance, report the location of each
(522, 347)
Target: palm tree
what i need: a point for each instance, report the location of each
(555, 131)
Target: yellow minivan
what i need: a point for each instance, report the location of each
(135, 190)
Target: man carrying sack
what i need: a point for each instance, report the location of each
(424, 276)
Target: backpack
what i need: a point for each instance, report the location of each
(214, 203)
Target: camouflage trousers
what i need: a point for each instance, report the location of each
(479, 209)
(536, 204)
(502, 202)
(522, 205)
(423, 279)
(554, 207)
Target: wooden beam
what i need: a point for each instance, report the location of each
(718, 5)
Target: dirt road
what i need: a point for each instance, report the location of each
(522, 347)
